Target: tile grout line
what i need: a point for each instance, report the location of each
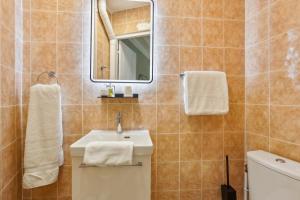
(269, 81)
(224, 69)
(56, 60)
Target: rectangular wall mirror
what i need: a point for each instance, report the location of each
(122, 41)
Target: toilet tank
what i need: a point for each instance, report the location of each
(272, 177)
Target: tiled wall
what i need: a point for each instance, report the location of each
(188, 162)
(10, 99)
(126, 21)
(272, 76)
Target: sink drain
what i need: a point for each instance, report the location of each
(126, 137)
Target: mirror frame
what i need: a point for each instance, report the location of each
(92, 50)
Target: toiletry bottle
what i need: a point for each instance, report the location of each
(111, 90)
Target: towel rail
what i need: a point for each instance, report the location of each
(138, 164)
(51, 74)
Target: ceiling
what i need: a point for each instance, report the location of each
(118, 5)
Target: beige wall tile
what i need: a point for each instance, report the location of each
(8, 93)
(257, 142)
(288, 150)
(174, 195)
(43, 26)
(214, 194)
(168, 89)
(212, 174)
(257, 89)
(167, 59)
(190, 124)
(49, 190)
(190, 8)
(8, 125)
(285, 128)
(69, 27)
(10, 165)
(168, 7)
(213, 33)
(234, 61)
(234, 35)
(168, 176)
(71, 87)
(212, 146)
(143, 117)
(256, 28)
(72, 120)
(190, 33)
(257, 59)
(284, 88)
(168, 31)
(234, 120)
(167, 147)
(95, 117)
(213, 8)
(213, 59)
(234, 145)
(190, 147)
(43, 57)
(69, 58)
(167, 119)
(8, 14)
(190, 58)
(65, 182)
(190, 194)
(257, 119)
(236, 87)
(44, 5)
(254, 6)
(283, 16)
(71, 5)
(234, 9)
(190, 175)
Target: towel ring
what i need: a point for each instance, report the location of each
(51, 74)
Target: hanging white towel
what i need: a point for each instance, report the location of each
(205, 93)
(44, 136)
(108, 153)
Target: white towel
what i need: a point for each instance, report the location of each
(108, 153)
(205, 93)
(44, 136)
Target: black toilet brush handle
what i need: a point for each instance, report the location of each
(227, 171)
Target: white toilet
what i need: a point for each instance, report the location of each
(272, 177)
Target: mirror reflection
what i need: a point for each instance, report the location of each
(122, 41)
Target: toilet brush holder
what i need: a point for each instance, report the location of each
(228, 192)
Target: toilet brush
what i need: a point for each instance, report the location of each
(228, 192)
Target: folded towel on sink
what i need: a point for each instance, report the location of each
(108, 153)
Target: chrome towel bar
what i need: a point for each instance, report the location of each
(138, 164)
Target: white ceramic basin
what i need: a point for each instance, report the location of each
(141, 139)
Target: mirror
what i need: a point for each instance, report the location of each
(122, 41)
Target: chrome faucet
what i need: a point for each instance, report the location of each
(118, 122)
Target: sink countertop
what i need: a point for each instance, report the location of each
(141, 138)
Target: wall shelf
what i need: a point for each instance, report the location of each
(119, 95)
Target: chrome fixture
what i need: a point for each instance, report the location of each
(118, 122)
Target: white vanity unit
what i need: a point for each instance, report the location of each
(113, 182)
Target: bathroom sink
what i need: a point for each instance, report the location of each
(140, 138)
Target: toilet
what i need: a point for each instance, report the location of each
(271, 177)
